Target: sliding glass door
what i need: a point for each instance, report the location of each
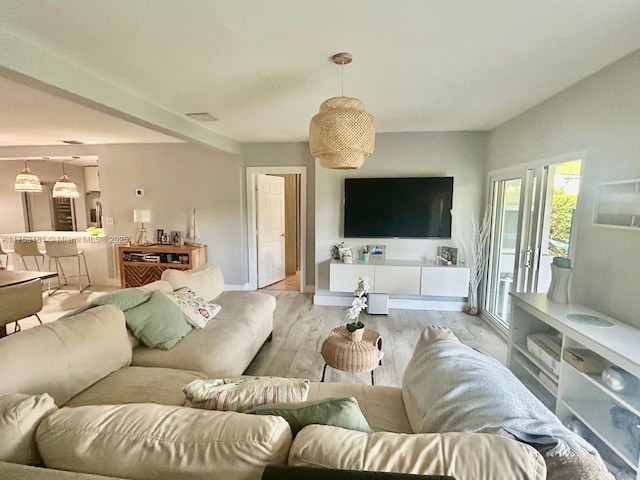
(508, 203)
(532, 218)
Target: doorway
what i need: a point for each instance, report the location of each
(533, 216)
(265, 251)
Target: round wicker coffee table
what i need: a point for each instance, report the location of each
(342, 353)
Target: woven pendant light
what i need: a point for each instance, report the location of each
(65, 188)
(27, 181)
(343, 133)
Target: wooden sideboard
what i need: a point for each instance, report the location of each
(140, 265)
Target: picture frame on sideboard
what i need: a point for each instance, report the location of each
(377, 252)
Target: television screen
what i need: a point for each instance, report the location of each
(418, 207)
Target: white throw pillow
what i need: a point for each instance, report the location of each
(196, 310)
(243, 393)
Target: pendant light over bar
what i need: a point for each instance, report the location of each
(343, 133)
(65, 188)
(27, 181)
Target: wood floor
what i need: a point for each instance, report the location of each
(300, 328)
(291, 283)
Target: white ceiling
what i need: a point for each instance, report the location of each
(30, 116)
(263, 66)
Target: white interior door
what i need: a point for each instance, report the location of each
(271, 236)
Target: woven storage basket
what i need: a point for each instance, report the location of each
(340, 352)
(342, 134)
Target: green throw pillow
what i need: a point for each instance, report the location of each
(337, 412)
(124, 299)
(158, 322)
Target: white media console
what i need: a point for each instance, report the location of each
(401, 277)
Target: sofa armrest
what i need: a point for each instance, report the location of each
(465, 456)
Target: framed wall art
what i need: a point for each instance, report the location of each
(377, 252)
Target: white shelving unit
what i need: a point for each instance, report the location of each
(574, 393)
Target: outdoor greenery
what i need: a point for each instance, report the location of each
(563, 205)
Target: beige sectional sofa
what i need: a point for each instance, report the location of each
(120, 420)
(226, 346)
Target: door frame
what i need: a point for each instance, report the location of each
(252, 172)
(515, 171)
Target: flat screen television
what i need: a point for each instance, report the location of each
(415, 207)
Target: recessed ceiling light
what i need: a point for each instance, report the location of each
(202, 117)
(72, 142)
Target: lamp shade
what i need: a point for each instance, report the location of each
(27, 182)
(342, 134)
(65, 188)
(142, 216)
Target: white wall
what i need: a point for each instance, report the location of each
(457, 154)
(177, 178)
(600, 116)
(12, 219)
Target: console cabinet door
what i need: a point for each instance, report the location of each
(445, 281)
(399, 280)
(343, 277)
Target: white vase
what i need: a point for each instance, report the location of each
(559, 287)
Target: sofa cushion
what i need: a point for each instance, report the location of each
(243, 393)
(248, 307)
(464, 456)
(338, 412)
(20, 415)
(138, 385)
(197, 312)
(221, 349)
(147, 441)
(382, 406)
(66, 356)
(158, 322)
(207, 281)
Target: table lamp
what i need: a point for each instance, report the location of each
(142, 216)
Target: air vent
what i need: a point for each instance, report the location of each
(202, 117)
(72, 142)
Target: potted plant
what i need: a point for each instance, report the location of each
(356, 327)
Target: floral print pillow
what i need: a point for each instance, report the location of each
(196, 310)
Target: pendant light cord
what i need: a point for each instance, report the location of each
(342, 78)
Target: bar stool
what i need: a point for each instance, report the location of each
(5, 252)
(28, 248)
(56, 250)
